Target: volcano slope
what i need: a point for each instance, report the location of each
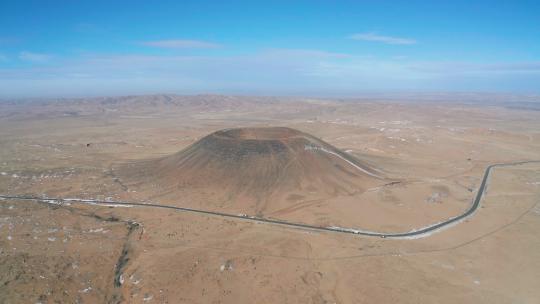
(253, 171)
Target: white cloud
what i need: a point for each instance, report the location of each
(271, 71)
(471, 67)
(182, 44)
(383, 39)
(302, 53)
(34, 57)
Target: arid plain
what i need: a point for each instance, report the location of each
(388, 166)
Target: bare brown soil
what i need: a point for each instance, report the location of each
(52, 254)
(165, 149)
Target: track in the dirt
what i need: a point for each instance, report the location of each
(410, 234)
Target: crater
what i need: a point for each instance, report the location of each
(259, 134)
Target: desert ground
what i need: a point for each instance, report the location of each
(388, 165)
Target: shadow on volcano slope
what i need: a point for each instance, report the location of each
(256, 171)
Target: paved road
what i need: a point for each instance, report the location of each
(425, 231)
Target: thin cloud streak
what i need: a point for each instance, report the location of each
(33, 57)
(276, 71)
(302, 53)
(467, 67)
(383, 39)
(181, 44)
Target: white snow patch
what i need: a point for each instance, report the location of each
(307, 147)
(355, 231)
(426, 234)
(134, 280)
(436, 197)
(52, 202)
(91, 202)
(448, 266)
(116, 205)
(86, 290)
(82, 201)
(226, 266)
(148, 298)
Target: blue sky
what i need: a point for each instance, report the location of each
(326, 48)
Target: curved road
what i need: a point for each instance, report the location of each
(425, 231)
